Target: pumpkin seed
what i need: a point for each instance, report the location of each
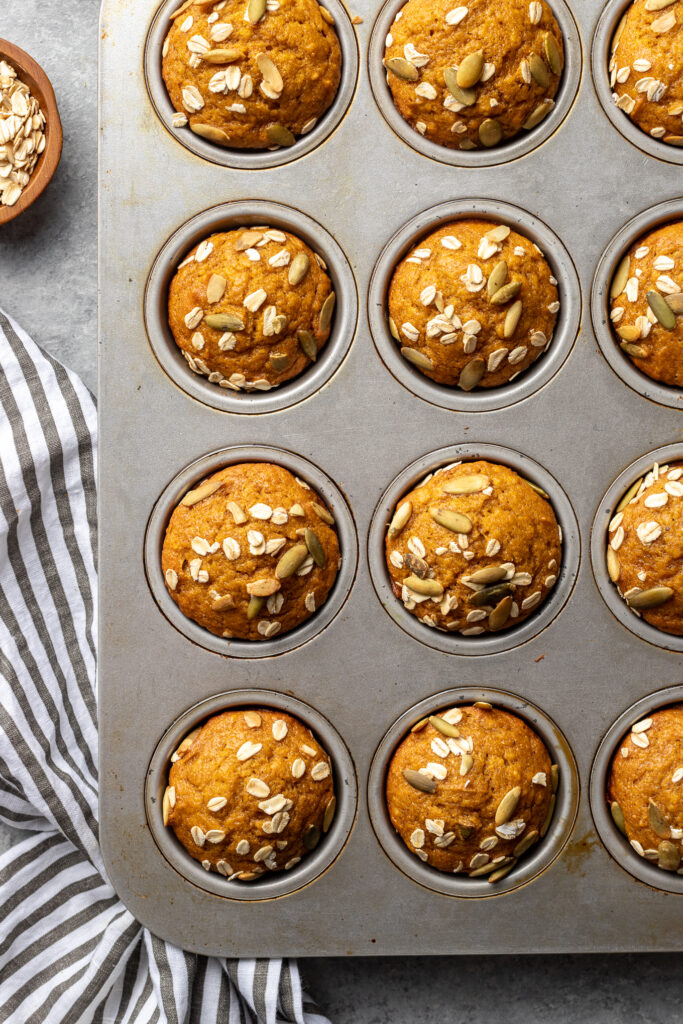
(496, 876)
(322, 513)
(465, 96)
(673, 140)
(507, 292)
(490, 595)
(512, 318)
(500, 614)
(613, 564)
(549, 816)
(675, 303)
(210, 132)
(658, 822)
(401, 517)
(554, 777)
(498, 234)
(489, 574)
(311, 837)
(662, 310)
(419, 781)
(419, 725)
(278, 361)
(291, 561)
(551, 52)
(429, 588)
(279, 135)
(524, 844)
(507, 806)
(166, 804)
(635, 351)
(199, 493)
(483, 704)
(263, 588)
(470, 69)
(497, 278)
(223, 56)
(539, 71)
(327, 311)
(255, 10)
(298, 268)
(393, 329)
(402, 68)
(326, 15)
(490, 132)
(620, 278)
(669, 856)
(315, 548)
(537, 115)
(464, 831)
(535, 487)
(417, 358)
(472, 483)
(485, 869)
(224, 322)
(457, 522)
(472, 373)
(329, 813)
(653, 597)
(630, 494)
(307, 344)
(443, 726)
(628, 332)
(617, 33)
(417, 566)
(254, 607)
(618, 816)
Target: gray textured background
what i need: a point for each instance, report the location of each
(48, 263)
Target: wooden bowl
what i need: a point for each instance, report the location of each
(39, 84)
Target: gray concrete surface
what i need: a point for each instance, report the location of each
(48, 263)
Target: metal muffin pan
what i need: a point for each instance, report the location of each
(361, 427)
(531, 864)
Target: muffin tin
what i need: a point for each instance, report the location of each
(362, 427)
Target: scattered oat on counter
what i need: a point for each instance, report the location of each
(22, 136)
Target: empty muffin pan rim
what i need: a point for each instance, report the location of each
(545, 366)
(486, 643)
(638, 226)
(598, 548)
(210, 463)
(249, 159)
(271, 885)
(521, 144)
(226, 217)
(601, 52)
(616, 844)
(532, 864)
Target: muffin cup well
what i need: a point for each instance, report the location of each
(250, 159)
(533, 863)
(227, 217)
(270, 885)
(189, 477)
(601, 52)
(599, 536)
(546, 365)
(524, 142)
(648, 220)
(488, 643)
(614, 842)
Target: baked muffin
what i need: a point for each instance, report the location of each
(646, 303)
(645, 548)
(472, 77)
(251, 74)
(250, 552)
(646, 68)
(471, 789)
(645, 788)
(249, 792)
(473, 304)
(474, 548)
(251, 308)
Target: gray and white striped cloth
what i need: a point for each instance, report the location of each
(69, 949)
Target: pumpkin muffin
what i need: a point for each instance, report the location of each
(645, 788)
(473, 304)
(645, 548)
(473, 76)
(251, 74)
(251, 552)
(249, 792)
(474, 548)
(646, 303)
(251, 308)
(646, 68)
(470, 790)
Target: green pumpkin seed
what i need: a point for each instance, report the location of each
(549, 816)
(457, 522)
(329, 813)
(634, 351)
(535, 487)
(210, 132)
(402, 68)
(613, 564)
(315, 548)
(327, 311)
(489, 574)
(618, 816)
(472, 483)
(472, 373)
(470, 69)
(224, 322)
(524, 844)
(630, 494)
(401, 517)
(417, 566)
(311, 837)
(465, 96)
(490, 132)
(658, 822)
(662, 310)
(279, 135)
(497, 278)
(278, 361)
(507, 806)
(669, 856)
(554, 777)
(537, 115)
(620, 278)
(419, 781)
(444, 727)
(551, 52)
(490, 595)
(393, 330)
(307, 344)
(512, 318)
(322, 513)
(428, 588)
(509, 291)
(653, 597)
(226, 55)
(502, 871)
(291, 561)
(500, 614)
(254, 607)
(298, 268)
(539, 71)
(412, 355)
(464, 831)
(255, 10)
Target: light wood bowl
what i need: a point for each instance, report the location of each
(39, 84)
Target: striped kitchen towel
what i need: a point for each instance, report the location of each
(69, 949)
